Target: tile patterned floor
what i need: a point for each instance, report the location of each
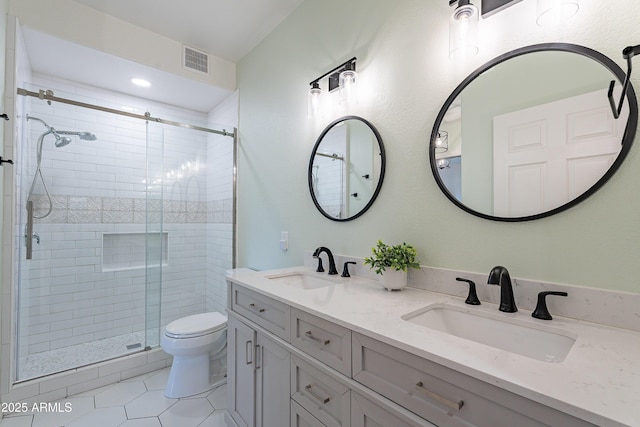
(136, 402)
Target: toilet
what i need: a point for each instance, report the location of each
(192, 340)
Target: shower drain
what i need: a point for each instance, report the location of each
(132, 346)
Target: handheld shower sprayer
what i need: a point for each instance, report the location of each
(62, 139)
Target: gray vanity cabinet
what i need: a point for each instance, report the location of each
(259, 367)
(288, 367)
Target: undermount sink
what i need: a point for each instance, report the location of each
(302, 280)
(497, 331)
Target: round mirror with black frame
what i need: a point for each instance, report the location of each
(346, 168)
(531, 133)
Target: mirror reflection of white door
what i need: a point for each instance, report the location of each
(361, 167)
(549, 154)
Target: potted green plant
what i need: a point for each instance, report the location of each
(392, 263)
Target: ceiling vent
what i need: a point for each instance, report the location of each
(195, 60)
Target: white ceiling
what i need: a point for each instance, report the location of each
(225, 28)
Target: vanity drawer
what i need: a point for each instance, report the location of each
(270, 314)
(323, 340)
(324, 397)
(365, 413)
(301, 418)
(443, 396)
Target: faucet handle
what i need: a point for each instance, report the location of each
(472, 298)
(345, 269)
(541, 311)
(320, 268)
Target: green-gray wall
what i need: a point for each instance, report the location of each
(405, 76)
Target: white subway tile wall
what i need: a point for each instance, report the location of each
(179, 183)
(328, 172)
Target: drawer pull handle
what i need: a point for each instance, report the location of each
(324, 401)
(448, 403)
(309, 335)
(256, 308)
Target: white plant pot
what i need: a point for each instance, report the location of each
(393, 280)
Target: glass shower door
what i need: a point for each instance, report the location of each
(156, 240)
(91, 289)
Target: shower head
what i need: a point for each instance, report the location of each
(86, 136)
(61, 141)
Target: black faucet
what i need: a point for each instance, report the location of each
(345, 269)
(332, 263)
(541, 311)
(500, 276)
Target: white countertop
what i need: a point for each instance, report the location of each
(599, 381)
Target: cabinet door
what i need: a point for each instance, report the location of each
(240, 365)
(272, 383)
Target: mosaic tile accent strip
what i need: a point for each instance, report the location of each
(122, 210)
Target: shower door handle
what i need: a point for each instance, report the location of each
(28, 235)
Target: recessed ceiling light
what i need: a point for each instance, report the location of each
(140, 82)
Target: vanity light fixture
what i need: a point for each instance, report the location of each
(342, 77)
(442, 142)
(463, 29)
(554, 12)
(489, 7)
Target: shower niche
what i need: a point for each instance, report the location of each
(128, 251)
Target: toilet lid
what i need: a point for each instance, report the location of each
(196, 325)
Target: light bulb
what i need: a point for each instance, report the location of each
(348, 88)
(314, 100)
(463, 31)
(443, 163)
(442, 142)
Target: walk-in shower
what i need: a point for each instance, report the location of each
(127, 234)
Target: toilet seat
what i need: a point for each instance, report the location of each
(196, 325)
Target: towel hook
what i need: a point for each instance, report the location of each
(628, 53)
(5, 161)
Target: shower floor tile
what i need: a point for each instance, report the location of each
(62, 359)
(135, 402)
